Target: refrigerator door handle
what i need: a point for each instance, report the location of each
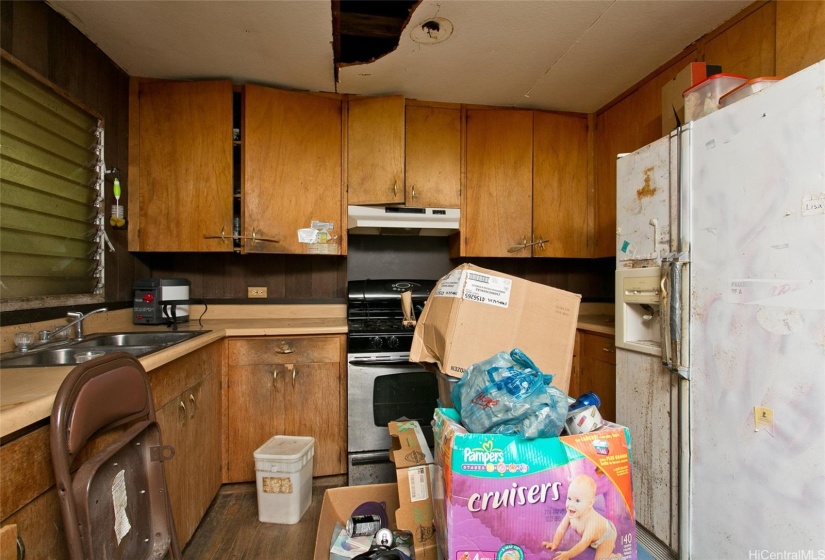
(664, 310)
(674, 320)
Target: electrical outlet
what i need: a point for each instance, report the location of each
(256, 292)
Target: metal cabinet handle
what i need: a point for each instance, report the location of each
(21, 548)
(274, 376)
(524, 245)
(611, 350)
(222, 236)
(194, 405)
(254, 237)
(395, 189)
(181, 414)
(284, 349)
(413, 191)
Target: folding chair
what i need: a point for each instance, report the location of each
(115, 505)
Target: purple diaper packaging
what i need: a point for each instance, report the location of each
(498, 497)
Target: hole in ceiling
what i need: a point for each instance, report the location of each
(432, 31)
(363, 30)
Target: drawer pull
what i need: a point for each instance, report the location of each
(274, 377)
(610, 350)
(194, 405)
(182, 414)
(284, 349)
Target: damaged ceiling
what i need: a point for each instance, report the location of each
(573, 55)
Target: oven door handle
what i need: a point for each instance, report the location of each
(387, 362)
(370, 458)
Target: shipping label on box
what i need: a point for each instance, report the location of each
(474, 313)
(505, 497)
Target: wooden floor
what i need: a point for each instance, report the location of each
(231, 528)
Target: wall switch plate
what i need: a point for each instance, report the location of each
(256, 292)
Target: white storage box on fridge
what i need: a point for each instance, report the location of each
(283, 471)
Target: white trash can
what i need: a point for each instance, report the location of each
(283, 470)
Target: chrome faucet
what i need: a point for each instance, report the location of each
(46, 336)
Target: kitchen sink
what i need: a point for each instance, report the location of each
(137, 338)
(70, 352)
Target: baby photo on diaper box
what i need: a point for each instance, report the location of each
(502, 497)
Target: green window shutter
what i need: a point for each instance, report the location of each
(51, 163)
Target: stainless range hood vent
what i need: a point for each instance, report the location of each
(401, 220)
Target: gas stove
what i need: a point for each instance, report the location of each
(375, 316)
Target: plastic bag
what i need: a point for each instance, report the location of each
(507, 394)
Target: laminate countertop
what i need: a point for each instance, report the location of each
(27, 394)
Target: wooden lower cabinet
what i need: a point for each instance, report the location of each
(286, 386)
(29, 499)
(39, 529)
(191, 423)
(594, 369)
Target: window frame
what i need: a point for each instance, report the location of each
(101, 238)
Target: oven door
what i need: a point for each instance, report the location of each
(382, 388)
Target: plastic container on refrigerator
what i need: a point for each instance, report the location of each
(703, 98)
(748, 88)
(283, 471)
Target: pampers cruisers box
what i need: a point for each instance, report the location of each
(502, 497)
(474, 313)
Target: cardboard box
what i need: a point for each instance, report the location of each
(415, 472)
(497, 495)
(474, 313)
(338, 505)
(409, 503)
(673, 105)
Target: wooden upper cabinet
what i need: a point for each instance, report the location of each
(292, 150)
(375, 150)
(184, 149)
(560, 201)
(498, 203)
(433, 160)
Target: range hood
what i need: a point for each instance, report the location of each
(400, 220)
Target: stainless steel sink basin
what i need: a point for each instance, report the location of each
(73, 352)
(166, 338)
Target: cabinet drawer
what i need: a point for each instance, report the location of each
(284, 350)
(601, 348)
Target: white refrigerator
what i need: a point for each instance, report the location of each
(720, 327)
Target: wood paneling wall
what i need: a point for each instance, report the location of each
(766, 39)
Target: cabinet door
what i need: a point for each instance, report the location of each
(319, 384)
(375, 150)
(203, 437)
(292, 166)
(560, 208)
(172, 421)
(433, 157)
(185, 166)
(499, 201)
(286, 385)
(40, 528)
(256, 413)
(598, 371)
(191, 423)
